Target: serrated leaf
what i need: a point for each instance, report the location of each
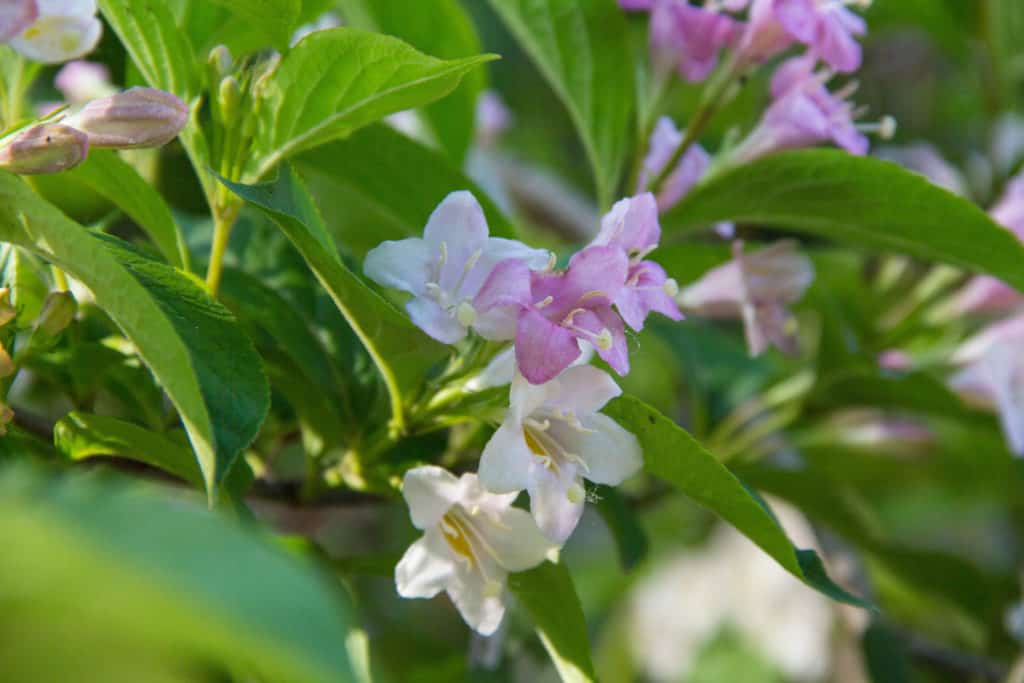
(854, 200)
(208, 368)
(338, 80)
(398, 178)
(549, 597)
(440, 28)
(582, 48)
(400, 350)
(274, 18)
(126, 563)
(108, 176)
(674, 456)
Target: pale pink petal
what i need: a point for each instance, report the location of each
(55, 39)
(403, 265)
(427, 315)
(600, 321)
(458, 229)
(15, 17)
(543, 349)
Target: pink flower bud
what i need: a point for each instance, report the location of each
(15, 17)
(46, 148)
(136, 118)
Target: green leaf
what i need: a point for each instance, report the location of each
(80, 436)
(440, 28)
(108, 176)
(23, 274)
(208, 368)
(161, 52)
(128, 564)
(339, 80)
(582, 48)
(400, 181)
(630, 538)
(856, 200)
(549, 597)
(673, 455)
(274, 18)
(400, 350)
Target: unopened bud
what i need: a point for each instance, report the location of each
(45, 148)
(136, 118)
(220, 62)
(229, 98)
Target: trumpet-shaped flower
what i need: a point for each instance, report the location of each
(61, 30)
(665, 140)
(993, 375)
(757, 289)
(554, 310)
(446, 268)
(688, 38)
(552, 438)
(632, 225)
(472, 539)
(804, 113)
(827, 27)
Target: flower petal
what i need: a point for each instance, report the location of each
(15, 17)
(612, 454)
(505, 463)
(458, 227)
(403, 264)
(604, 320)
(55, 39)
(426, 568)
(430, 491)
(554, 511)
(543, 349)
(435, 321)
(476, 599)
(515, 539)
(582, 390)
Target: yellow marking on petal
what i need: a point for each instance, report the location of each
(456, 537)
(535, 446)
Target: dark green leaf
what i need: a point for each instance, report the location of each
(274, 18)
(673, 455)
(630, 538)
(855, 200)
(400, 350)
(549, 597)
(208, 368)
(582, 48)
(885, 655)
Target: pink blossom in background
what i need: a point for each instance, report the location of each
(826, 27)
(665, 140)
(492, 118)
(15, 17)
(688, 38)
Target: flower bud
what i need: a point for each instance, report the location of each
(219, 62)
(136, 118)
(45, 148)
(229, 98)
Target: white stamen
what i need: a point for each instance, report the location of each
(576, 494)
(671, 287)
(546, 301)
(466, 314)
(604, 339)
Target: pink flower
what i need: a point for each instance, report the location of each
(665, 140)
(993, 375)
(632, 225)
(82, 81)
(827, 27)
(61, 30)
(689, 38)
(757, 289)
(492, 118)
(804, 114)
(555, 309)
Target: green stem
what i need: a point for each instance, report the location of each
(223, 222)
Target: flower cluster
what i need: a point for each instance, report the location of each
(50, 31)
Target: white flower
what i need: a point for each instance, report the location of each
(993, 375)
(552, 439)
(472, 540)
(757, 289)
(63, 30)
(446, 268)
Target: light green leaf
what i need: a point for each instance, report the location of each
(208, 368)
(161, 52)
(336, 81)
(856, 200)
(549, 597)
(22, 273)
(400, 181)
(673, 455)
(582, 48)
(440, 28)
(400, 350)
(108, 176)
(100, 561)
(274, 18)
